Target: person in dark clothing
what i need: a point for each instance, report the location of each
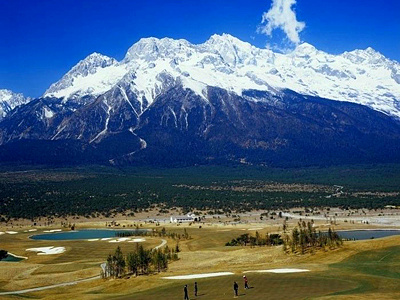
(235, 288)
(195, 289)
(246, 283)
(185, 291)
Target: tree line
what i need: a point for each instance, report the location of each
(257, 240)
(139, 262)
(305, 239)
(156, 233)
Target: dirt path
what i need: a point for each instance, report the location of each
(164, 242)
(37, 289)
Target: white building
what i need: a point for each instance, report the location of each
(183, 219)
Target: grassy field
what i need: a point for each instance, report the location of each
(360, 270)
(81, 259)
(274, 286)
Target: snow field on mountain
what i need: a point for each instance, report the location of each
(360, 76)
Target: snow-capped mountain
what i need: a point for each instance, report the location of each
(9, 100)
(171, 102)
(362, 76)
(90, 77)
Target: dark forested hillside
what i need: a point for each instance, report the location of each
(92, 192)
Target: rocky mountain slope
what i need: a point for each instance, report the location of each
(171, 102)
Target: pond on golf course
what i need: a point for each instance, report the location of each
(366, 234)
(11, 258)
(85, 234)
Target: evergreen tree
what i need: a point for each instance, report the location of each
(119, 263)
(132, 261)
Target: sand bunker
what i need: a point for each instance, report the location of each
(137, 241)
(32, 230)
(53, 230)
(47, 250)
(279, 271)
(93, 240)
(254, 229)
(197, 276)
(2, 232)
(123, 239)
(106, 239)
(114, 241)
(11, 232)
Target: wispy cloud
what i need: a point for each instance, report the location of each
(282, 15)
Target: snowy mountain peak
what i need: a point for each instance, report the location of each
(9, 100)
(150, 49)
(372, 51)
(367, 56)
(91, 63)
(224, 39)
(233, 51)
(305, 48)
(151, 65)
(75, 83)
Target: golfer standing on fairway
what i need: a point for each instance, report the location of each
(235, 289)
(185, 291)
(246, 283)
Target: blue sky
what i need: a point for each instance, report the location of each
(43, 39)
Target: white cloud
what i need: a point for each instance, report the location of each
(282, 15)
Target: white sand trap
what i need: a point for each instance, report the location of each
(279, 271)
(137, 241)
(53, 230)
(106, 239)
(1, 232)
(254, 229)
(114, 241)
(32, 230)
(123, 239)
(47, 250)
(197, 276)
(93, 240)
(11, 232)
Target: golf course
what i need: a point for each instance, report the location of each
(364, 269)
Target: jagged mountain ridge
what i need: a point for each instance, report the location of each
(9, 100)
(361, 76)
